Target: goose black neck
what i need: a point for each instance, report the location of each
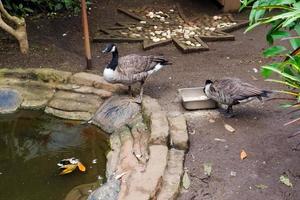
(114, 61)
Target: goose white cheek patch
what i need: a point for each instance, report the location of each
(113, 49)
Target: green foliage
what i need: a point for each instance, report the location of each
(25, 7)
(284, 25)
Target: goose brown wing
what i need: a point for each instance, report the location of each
(236, 89)
(134, 64)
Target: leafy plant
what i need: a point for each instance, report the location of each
(283, 17)
(30, 6)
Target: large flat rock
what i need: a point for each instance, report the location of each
(93, 80)
(10, 100)
(42, 74)
(84, 90)
(71, 105)
(116, 112)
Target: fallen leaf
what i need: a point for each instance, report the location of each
(243, 155)
(229, 128)
(68, 169)
(207, 169)
(186, 180)
(81, 167)
(285, 180)
(261, 186)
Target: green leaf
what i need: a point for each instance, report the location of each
(274, 50)
(285, 180)
(274, 35)
(297, 28)
(186, 180)
(295, 43)
(283, 74)
(266, 73)
(207, 168)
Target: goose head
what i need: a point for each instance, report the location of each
(207, 86)
(110, 48)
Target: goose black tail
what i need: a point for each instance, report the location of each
(162, 61)
(265, 93)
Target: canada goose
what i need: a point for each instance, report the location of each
(232, 91)
(131, 69)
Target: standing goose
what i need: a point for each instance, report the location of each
(232, 91)
(131, 69)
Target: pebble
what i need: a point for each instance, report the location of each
(143, 22)
(188, 42)
(232, 173)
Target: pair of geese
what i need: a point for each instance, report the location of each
(134, 68)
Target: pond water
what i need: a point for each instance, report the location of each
(31, 145)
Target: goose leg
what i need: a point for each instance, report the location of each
(140, 98)
(229, 112)
(130, 91)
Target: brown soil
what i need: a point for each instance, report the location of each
(259, 128)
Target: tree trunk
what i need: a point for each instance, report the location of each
(19, 32)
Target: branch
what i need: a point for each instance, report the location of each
(6, 27)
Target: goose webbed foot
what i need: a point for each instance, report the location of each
(229, 112)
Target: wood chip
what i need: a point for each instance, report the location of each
(229, 128)
(243, 155)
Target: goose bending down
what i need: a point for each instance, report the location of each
(232, 91)
(131, 69)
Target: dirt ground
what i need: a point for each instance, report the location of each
(259, 127)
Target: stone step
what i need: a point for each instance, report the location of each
(159, 128)
(172, 176)
(178, 132)
(145, 185)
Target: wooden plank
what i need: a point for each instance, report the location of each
(116, 40)
(239, 24)
(130, 14)
(225, 37)
(149, 44)
(186, 49)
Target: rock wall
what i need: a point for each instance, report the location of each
(147, 145)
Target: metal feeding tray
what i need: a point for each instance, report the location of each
(194, 99)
